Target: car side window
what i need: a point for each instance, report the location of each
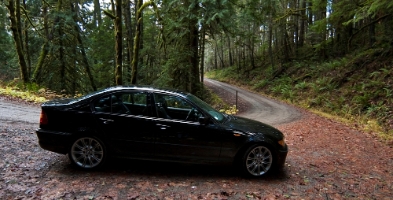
(174, 107)
(132, 103)
(103, 104)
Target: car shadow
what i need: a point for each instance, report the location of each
(158, 169)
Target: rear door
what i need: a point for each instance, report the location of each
(125, 118)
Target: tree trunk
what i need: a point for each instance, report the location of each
(26, 43)
(252, 48)
(203, 54)
(119, 44)
(302, 23)
(371, 32)
(130, 42)
(61, 49)
(14, 10)
(135, 58)
(45, 47)
(215, 55)
(310, 13)
(193, 58)
(270, 43)
(137, 39)
(222, 53)
(229, 51)
(97, 20)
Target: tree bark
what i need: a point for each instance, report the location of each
(45, 47)
(202, 69)
(135, 58)
(371, 31)
(215, 55)
(137, 38)
(130, 41)
(230, 51)
(14, 10)
(302, 23)
(25, 33)
(270, 43)
(119, 44)
(193, 58)
(97, 20)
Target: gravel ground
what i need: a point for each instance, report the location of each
(327, 160)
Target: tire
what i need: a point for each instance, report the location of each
(257, 161)
(88, 153)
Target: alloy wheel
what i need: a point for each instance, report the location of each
(258, 161)
(87, 153)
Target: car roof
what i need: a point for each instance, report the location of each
(134, 87)
(145, 88)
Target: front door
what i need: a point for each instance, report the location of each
(179, 134)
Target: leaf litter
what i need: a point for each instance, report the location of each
(327, 160)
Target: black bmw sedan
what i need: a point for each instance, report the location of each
(147, 123)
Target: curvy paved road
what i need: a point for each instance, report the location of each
(262, 109)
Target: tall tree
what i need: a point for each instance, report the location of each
(14, 9)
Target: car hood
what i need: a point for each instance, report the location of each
(251, 127)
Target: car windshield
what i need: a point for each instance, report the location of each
(220, 117)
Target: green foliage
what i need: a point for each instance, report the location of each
(340, 87)
(260, 84)
(101, 41)
(301, 86)
(17, 92)
(8, 58)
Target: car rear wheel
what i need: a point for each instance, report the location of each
(87, 153)
(257, 161)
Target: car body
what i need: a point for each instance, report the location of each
(147, 123)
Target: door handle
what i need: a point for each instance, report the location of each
(163, 126)
(107, 121)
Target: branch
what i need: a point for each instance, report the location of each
(110, 15)
(30, 22)
(46, 3)
(365, 26)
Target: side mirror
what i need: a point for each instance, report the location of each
(203, 120)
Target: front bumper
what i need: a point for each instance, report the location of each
(281, 156)
(55, 141)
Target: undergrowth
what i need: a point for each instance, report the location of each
(356, 90)
(30, 92)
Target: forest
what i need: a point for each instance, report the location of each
(331, 55)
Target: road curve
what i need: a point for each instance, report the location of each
(261, 108)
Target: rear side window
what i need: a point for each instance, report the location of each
(103, 104)
(132, 103)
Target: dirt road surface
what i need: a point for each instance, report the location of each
(327, 160)
(18, 112)
(257, 107)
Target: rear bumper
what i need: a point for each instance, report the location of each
(55, 141)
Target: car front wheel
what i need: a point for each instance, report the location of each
(87, 153)
(257, 161)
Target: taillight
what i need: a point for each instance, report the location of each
(43, 118)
